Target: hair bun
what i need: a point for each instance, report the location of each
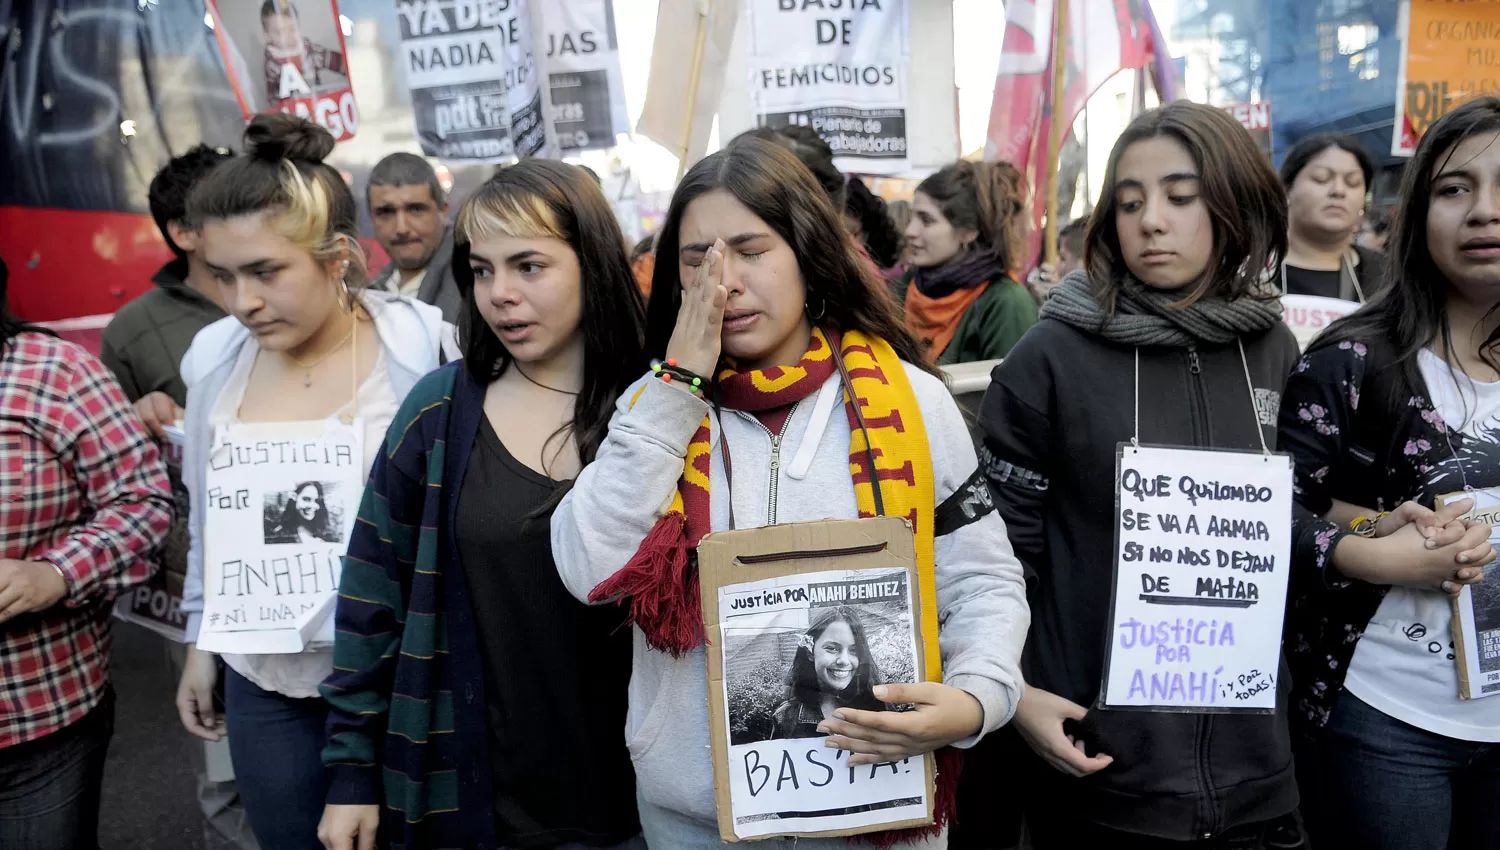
(274, 136)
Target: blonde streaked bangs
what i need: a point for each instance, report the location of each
(499, 210)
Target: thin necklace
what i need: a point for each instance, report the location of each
(308, 367)
(523, 374)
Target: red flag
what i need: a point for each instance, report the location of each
(1104, 38)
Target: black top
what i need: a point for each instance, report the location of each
(1370, 272)
(556, 671)
(1056, 410)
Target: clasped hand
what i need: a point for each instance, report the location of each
(942, 715)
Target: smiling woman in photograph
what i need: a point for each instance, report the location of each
(833, 669)
(304, 518)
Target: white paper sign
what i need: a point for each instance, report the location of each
(583, 69)
(793, 646)
(1203, 554)
(1310, 315)
(1476, 624)
(838, 67)
(472, 72)
(279, 505)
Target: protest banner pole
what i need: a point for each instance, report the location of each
(690, 106)
(1055, 133)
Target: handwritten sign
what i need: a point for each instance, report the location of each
(279, 505)
(1203, 551)
(1310, 315)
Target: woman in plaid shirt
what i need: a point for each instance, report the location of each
(84, 502)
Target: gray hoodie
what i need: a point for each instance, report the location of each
(981, 592)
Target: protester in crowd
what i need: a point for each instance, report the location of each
(962, 245)
(866, 220)
(766, 282)
(84, 502)
(1045, 278)
(145, 341)
(551, 334)
(1396, 406)
(305, 342)
(409, 210)
(643, 263)
(1169, 300)
(1327, 180)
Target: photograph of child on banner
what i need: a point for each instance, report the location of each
(304, 514)
(297, 66)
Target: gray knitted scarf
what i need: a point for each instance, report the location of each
(1144, 316)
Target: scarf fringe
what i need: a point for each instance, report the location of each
(950, 763)
(660, 586)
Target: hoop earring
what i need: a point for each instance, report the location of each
(822, 309)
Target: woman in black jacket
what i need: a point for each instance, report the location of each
(1328, 179)
(1395, 404)
(1171, 300)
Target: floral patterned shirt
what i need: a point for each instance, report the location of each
(1360, 431)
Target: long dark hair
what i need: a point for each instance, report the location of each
(802, 680)
(1245, 200)
(1411, 313)
(986, 197)
(772, 184)
(10, 326)
(291, 519)
(541, 198)
(881, 238)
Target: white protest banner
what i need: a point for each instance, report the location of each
(299, 45)
(1310, 315)
(279, 505)
(583, 70)
(1476, 610)
(1203, 548)
(472, 71)
(798, 646)
(839, 67)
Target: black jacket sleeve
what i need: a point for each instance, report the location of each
(1017, 431)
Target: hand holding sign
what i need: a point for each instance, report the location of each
(1040, 718)
(942, 715)
(700, 320)
(157, 410)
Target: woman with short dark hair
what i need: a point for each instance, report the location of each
(1328, 180)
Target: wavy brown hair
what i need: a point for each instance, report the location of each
(770, 181)
(986, 197)
(1246, 204)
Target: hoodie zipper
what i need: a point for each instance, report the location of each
(1199, 406)
(775, 462)
(1202, 436)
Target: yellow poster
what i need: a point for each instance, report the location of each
(1450, 53)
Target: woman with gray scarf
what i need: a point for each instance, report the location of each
(1167, 335)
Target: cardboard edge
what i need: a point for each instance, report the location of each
(831, 534)
(1456, 624)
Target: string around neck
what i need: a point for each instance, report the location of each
(522, 373)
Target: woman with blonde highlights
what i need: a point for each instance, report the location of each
(477, 458)
(304, 343)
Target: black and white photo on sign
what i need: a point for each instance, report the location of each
(307, 512)
(796, 649)
(291, 48)
(278, 503)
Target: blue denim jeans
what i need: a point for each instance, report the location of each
(276, 744)
(1374, 782)
(664, 828)
(49, 787)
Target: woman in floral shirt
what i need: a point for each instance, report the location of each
(1398, 409)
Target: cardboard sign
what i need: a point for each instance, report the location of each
(1476, 610)
(1203, 547)
(472, 71)
(840, 70)
(1310, 315)
(279, 504)
(583, 71)
(157, 603)
(800, 618)
(1448, 56)
(288, 56)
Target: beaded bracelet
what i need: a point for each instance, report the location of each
(668, 370)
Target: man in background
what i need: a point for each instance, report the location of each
(145, 341)
(409, 212)
(1044, 278)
